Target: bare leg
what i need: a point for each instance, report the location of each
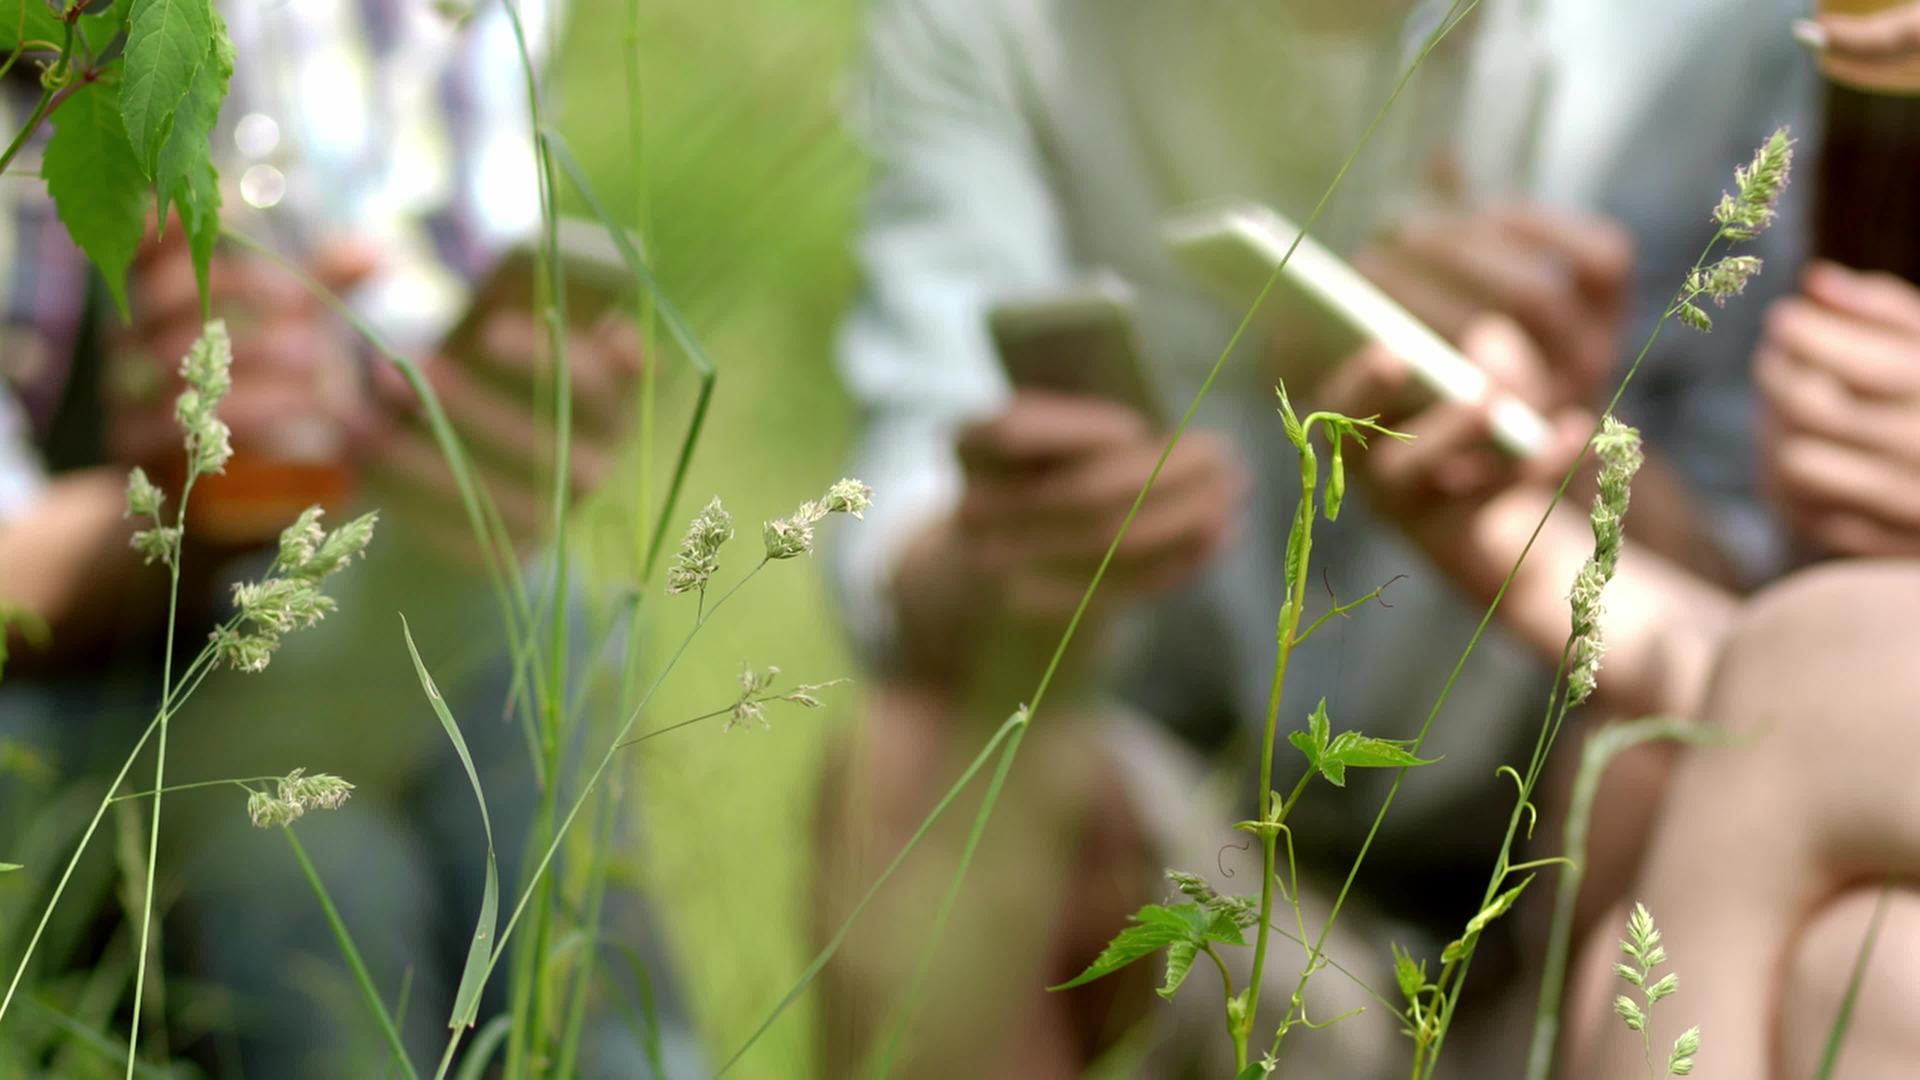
(1757, 843)
(1059, 868)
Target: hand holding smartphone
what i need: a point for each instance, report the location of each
(1078, 340)
(1326, 310)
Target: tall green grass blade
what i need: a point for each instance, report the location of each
(916, 988)
(683, 335)
(1599, 752)
(101, 1043)
(486, 1043)
(473, 975)
(1843, 1020)
(375, 1004)
(1015, 723)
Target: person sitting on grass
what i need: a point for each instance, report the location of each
(1022, 145)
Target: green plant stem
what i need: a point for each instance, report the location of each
(1599, 751)
(1016, 722)
(93, 825)
(1544, 744)
(586, 791)
(49, 100)
(239, 781)
(1286, 635)
(168, 690)
(1843, 1018)
(573, 1027)
(368, 991)
(644, 308)
(1479, 631)
(528, 1037)
(916, 987)
(676, 325)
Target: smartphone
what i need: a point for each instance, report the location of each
(1076, 340)
(598, 283)
(1322, 310)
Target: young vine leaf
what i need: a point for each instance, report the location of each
(1332, 755)
(1183, 930)
(183, 169)
(167, 43)
(1500, 905)
(96, 182)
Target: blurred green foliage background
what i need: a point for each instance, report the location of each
(747, 183)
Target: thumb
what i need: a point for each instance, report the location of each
(1499, 347)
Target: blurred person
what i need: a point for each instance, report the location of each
(1774, 861)
(1019, 146)
(377, 145)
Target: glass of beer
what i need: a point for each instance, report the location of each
(1867, 202)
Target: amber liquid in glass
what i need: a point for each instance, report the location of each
(1867, 194)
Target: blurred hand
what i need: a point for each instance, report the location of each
(1433, 483)
(1839, 375)
(292, 361)
(1049, 481)
(1563, 278)
(491, 398)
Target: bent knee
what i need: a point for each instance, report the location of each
(1829, 607)
(1818, 636)
(1880, 1040)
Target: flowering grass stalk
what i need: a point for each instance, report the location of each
(1739, 216)
(700, 546)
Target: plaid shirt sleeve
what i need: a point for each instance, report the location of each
(393, 123)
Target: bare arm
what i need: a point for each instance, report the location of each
(67, 560)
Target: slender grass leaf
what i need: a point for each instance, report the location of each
(485, 1044)
(101, 1043)
(1843, 1019)
(466, 1000)
(166, 46)
(97, 184)
(344, 938)
(690, 346)
(9, 867)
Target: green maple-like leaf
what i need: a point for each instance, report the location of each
(1332, 755)
(180, 172)
(96, 182)
(167, 43)
(1409, 975)
(1182, 929)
